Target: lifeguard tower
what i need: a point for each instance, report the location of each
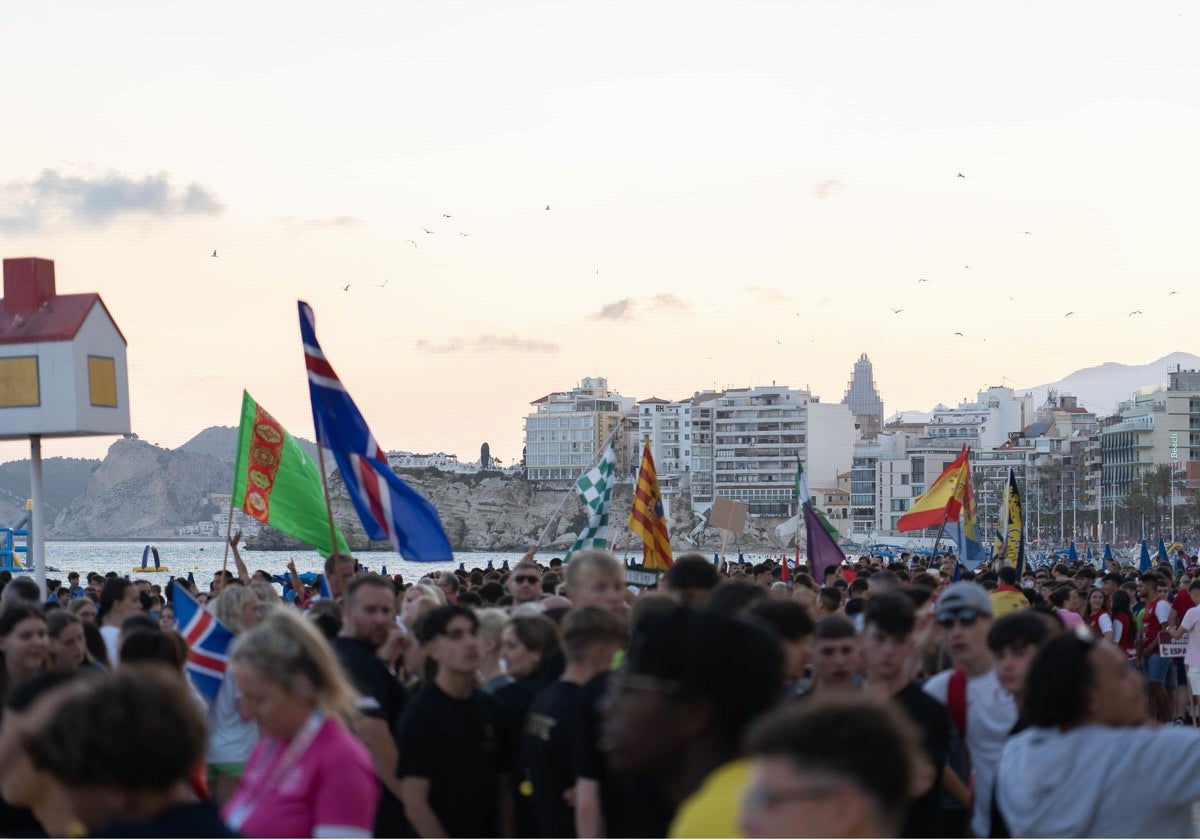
(62, 374)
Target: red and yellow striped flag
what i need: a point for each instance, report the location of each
(647, 519)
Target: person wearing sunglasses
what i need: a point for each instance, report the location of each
(1086, 710)
(525, 583)
(982, 711)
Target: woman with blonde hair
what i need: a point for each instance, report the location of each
(418, 600)
(231, 735)
(308, 776)
(491, 627)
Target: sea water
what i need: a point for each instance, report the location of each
(204, 559)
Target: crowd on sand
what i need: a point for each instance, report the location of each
(886, 699)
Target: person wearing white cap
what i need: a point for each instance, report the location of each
(982, 711)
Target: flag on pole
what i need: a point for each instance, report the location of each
(388, 508)
(208, 643)
(823, 550)
(1014, 528)
(966, 534)
(997, 549)
(595, 488)
(1144, 561)
(800, 491)
(1161, 554)
(941, 503)
(647, 519)
(1108, 555)
(277, 483)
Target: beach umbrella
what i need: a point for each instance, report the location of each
(1072, 554)
(1162, 550)
(1144, 563)
(1107, 552)
(1090, 555)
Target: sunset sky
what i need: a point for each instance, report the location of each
(738, 193)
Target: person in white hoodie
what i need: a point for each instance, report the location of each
(1087, 709)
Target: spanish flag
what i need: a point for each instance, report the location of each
(648, 519)
(942, 502)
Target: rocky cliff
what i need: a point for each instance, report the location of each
(143, 492)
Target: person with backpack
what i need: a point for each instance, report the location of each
(982, 711)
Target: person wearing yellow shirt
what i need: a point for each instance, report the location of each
(1006, 597)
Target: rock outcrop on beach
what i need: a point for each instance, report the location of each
(144, 492)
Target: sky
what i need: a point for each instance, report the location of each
(673, 196)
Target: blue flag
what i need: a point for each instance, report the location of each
(208, 643)
(1072, 554)
(1144, 563)
(326, 592)
(388, 508)
(1108, 555)
(1162, 551)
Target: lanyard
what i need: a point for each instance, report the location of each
(291, 755)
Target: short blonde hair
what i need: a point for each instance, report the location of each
(491, 623)
(603, 561)
(227, 607)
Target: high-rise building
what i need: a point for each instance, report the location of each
(567, 429)
(863, 400)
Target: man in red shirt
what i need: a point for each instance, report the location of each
(1160, 671)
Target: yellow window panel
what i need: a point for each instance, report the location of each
(19, 382)
(102, 381)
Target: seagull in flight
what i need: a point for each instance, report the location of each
(960, 175)
(922, 280)
(1168, 293)
(447, 216)
(1069, 314)
(967, 267)
(346, 288)
(1135, 312)
(547, 206)
(464, 234)
(960, 335)
(897, 311)
(427, 230)
(412, 242)
(379, 285)
(215, 253)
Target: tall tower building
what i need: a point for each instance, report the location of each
(863, 400)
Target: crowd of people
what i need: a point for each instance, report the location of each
(885, 700)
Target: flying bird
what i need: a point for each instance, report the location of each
(1135, 312)
(922, 280)
(215, 253)
(967, 267)
(464, 234)
(547, 206)
(960, 175)
(1168, 293)
(346, 288)
(412, 242)
(379, 285)
(897, 311)
(447, 216)
(1069, 314)
(427, 230)
(960, 335)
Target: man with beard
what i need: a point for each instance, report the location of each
(369, 623)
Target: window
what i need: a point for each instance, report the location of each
(19, 382)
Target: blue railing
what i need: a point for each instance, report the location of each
(9, 550)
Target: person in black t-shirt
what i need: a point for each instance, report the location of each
(368, 624)
(450, 739)
(888, 644)
(591, 637)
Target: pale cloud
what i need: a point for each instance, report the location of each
(294, 224)
(768, 294)
(488, 343)
(99, 199)
(627, 309)
(828, 188)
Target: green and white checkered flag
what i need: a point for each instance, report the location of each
(595, 488)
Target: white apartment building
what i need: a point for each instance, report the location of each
(1157, 426)
(567, 428)
(758, 433)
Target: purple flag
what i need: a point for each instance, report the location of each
(823, 552)
(388, 508)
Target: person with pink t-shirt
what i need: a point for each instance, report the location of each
(308, 776)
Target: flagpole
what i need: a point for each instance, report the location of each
(571, 492)
(328, 508)
(228, 531)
